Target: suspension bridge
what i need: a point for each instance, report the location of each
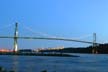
(16, 37)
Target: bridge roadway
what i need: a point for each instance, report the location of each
(48, 38)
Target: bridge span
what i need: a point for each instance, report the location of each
(16, 37)
(48, 38)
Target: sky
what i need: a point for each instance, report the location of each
(53, 18)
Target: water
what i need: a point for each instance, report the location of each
(84, 63)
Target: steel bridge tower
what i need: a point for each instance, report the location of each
(16, 38)
(94, 50)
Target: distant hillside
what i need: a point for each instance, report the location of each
(102, 49)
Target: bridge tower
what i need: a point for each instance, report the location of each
(16, 38)
(94, 50)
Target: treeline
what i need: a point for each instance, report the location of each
(101, 49)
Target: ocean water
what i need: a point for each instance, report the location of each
(84, 63)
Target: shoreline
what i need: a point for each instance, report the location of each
(37, 54)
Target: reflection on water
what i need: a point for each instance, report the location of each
(84, 63)
(15, 63)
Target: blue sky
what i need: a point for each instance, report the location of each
(61, 18)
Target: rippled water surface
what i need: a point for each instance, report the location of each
(84, 63)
